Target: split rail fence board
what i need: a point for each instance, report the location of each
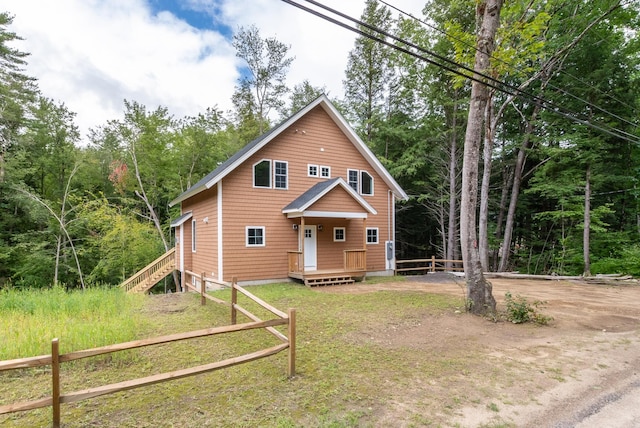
(54, 359)
(430, 265)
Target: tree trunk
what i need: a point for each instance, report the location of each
(152, 212)
(2, 152)
(479, 296)
(587, 223)
(515, 191)
(453, 188)
(507, 177)
(483, 225)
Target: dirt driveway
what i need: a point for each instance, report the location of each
(581, 370)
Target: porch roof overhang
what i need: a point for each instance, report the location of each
(327, 214)
(180, 220)
(300, 207)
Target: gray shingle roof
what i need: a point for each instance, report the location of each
(301, 201)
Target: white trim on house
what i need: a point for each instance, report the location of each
(377, 235)
(286, 175)
(220, 230)
(338, 182)
(182, 219)
(262, 236)
(328, 214)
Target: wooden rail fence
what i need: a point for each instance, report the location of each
(55, 358)
(428, 265)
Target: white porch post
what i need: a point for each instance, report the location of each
(301, 236)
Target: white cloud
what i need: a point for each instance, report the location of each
(93, 54)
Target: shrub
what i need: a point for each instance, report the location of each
(519, 310)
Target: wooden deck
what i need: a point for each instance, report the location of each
(328, 276)
(355, 267)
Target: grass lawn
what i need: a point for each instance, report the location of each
(343, 378)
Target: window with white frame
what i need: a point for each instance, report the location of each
(280, 174)
(193, 236)
(352, 179)
(366, 183)
(372, 235)
(339, 234)
(312, 170)
(255, 236)
(361, 181)
(325, 171)
(262, 174)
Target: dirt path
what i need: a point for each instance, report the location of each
(581, 370)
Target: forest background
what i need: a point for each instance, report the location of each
(558, 174)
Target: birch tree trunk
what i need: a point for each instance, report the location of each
(480, 299)
(152, 212)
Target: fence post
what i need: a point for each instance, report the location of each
(203, 286)
(291, 367)
(433, 264)
(234, 300)
(55, 380)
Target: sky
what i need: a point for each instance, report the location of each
(92, 55)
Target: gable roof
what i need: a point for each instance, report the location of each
(299, 205)
(247, 151)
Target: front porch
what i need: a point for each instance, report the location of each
(355, 267)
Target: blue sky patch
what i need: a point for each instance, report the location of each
(202, 16)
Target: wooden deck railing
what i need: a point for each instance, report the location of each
(295, 261)
(148, 276)
(355, 260)
(55, 358)
(428, 265)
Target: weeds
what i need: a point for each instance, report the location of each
(520, 311)
(94, 317)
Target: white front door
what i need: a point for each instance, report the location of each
(310, 248)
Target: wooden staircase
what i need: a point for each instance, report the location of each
(150, 275)
(328, 280)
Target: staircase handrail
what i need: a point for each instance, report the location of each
(141, 275)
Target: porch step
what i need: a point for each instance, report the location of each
(328, 280)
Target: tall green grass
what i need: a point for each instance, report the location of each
(30, 319)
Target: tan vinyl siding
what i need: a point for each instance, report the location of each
(330, 253)
(205, 258)
(338, 200)
(317, 141)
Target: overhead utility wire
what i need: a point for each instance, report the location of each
(588, 103)
(512, 90)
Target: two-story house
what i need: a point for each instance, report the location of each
(306, 200)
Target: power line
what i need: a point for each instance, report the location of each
(498, 85)
(463, 42)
